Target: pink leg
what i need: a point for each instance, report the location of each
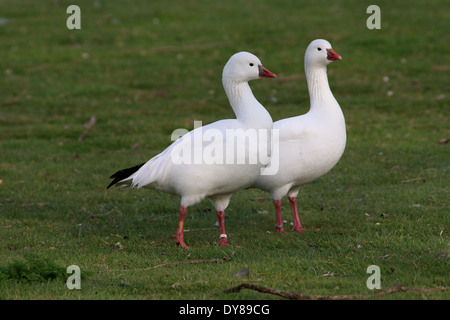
(223, 237)
(279, 225)
(180, 232)
(297, 225)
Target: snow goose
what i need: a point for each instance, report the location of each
(203, 162)
(310, 144)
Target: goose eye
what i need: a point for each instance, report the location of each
(320, 49)
(251, 64)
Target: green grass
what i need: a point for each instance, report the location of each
(145, 68)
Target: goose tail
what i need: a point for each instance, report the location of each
(123, 175)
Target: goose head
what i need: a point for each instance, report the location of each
(244, 66)
(320, 53)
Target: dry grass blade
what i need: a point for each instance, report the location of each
(414, 180)
(88, 125)
(182, 262)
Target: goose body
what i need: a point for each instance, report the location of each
(199, 164)
(310, 144)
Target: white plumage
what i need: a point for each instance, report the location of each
(310, 144)
(184, 167)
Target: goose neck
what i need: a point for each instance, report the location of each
(246, 107)
(318, 87)
(237, 92)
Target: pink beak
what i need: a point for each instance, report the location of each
(333, 55)
(264, 73)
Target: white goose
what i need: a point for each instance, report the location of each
(173, 170)
(310, 144)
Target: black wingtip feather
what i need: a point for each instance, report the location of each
(122, 174)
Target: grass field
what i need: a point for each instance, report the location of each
(77, 105)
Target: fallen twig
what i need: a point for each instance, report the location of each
(199, 229)
(181, 262)
(414, 180)
(301, 296)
